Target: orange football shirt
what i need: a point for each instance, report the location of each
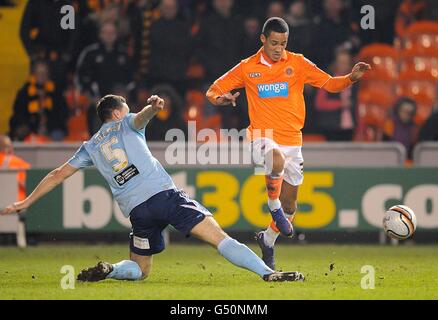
(15, 163)
(275, 93)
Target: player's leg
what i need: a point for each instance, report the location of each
(266, 239)
(237, 253)
(145, 240)
(293, 177)
(288, 199)
(191, 218)
(267, 151)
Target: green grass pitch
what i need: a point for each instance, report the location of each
(198, 272)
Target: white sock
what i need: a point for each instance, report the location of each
(274, 204)
(270, 236)
(289, 215)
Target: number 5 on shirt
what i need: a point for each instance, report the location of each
(114, 154)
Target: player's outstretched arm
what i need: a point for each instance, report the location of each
(219, 93)
(50, 181)
(337, 84)
(218, 99)
(142, 118)
(359, 70)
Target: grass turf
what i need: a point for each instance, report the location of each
(198, 272)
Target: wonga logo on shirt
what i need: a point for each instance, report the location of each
(272, 90)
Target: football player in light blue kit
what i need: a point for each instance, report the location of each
(146, 194)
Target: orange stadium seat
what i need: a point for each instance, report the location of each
(195, 112)
(383, 90)
(372, 115)
(307, 137)
(420, 86)
(421, 35)
(414, 60)
(423, 112)
(414, 84)
(383, 60)
(77, 127)
(373, 110)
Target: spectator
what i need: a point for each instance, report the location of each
(220, 40)
(10, 161)
(39, 107)
(408, 12)
(43, 38)
(301, 29)
(275, 9)
(141, 15)
(429, 130)
(251, 41)
(401, 127)
(93, 14)
(336, 110)
(103, 64)
(332, 31)
(170, 55)
(168, 118)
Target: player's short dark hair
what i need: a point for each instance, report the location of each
(275, 24)
(107, 104)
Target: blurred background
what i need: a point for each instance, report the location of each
(51, 79)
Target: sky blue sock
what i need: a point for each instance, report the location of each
(126, 270)
(242, 256)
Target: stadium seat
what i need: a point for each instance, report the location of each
(420, 86)
(421, 35)
(375, 99)
(313, 138)
(195, 112)
(415, 84)
(77, 127)
(371, 121)
(382, 90)
(383, 59)
(415, 60)
(195, 71)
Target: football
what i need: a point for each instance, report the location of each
(399, 222)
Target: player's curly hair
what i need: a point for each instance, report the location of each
(275, 24)
(107, 104)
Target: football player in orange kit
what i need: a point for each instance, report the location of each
(274, 80)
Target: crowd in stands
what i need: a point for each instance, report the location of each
(176, 48)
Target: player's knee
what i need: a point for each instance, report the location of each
(278, 161)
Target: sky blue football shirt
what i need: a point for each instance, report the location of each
(120, 153)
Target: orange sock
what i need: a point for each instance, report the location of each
(273, 186)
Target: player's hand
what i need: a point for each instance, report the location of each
(227, 98)
(359, 70)
(156, 102)
(14, 208)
